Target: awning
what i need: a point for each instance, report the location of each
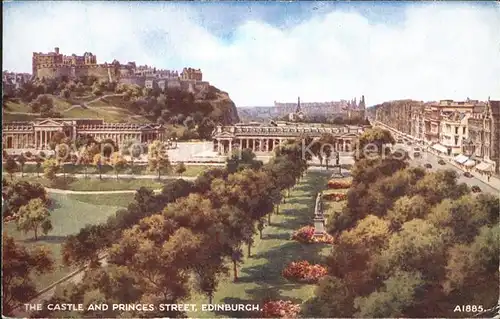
(461, 158)
(486, 167)
(440, 148)
(470, 163)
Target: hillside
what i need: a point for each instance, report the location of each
(187, 115)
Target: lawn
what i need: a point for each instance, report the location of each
(12, 106)
(260, 276)
(95, 184)
(121, 200)
(191, 170)
(9, 117)
(68, 215)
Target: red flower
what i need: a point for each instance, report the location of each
(303, 271)
(280, 309)
(335, 197)
(339, 184)
(306, 235)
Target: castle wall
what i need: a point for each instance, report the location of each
(133, 80)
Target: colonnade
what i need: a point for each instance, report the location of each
(264, 145)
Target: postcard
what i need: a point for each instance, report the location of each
(234, 159)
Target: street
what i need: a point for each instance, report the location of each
(432, 159)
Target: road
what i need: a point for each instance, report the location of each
(433, 160)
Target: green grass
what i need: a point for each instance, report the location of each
(94, 184)
(9, 117)
(260, 276)
(17, 107)
(68, 216)
(121, 200)
(191, 170)
(60, 105)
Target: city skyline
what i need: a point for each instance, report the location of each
(265, 52)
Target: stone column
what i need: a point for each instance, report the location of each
(219, 147)
(230, 146)
(343, 145)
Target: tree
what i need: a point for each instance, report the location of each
(333, 298)
(19, 193)
(371, 144)
(407, 208)
(135, 152)
(42, 104)
(260, 226)
(21, 159)
(118, 162)
(398, 294)
(55, 140)
(86, 246)
(158, 158)
(18, 267)
(98, 161)
(50, 168)
(32, 216)
(472, 268)
(38, 163)
(11, 167)
(180, 168)
(85, 158)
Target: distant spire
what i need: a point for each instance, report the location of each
(298, 105)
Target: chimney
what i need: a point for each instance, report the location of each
(56, 50)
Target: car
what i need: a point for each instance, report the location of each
(416, 149)
(416, 154)
(441, 162)
(475, 189)
(427, 165)
(467, 174)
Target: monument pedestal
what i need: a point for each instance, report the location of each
(319, 226)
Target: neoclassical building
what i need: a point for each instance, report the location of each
(263, 139)
(37, 134)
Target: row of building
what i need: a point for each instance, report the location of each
(463, 129)
(323, 108)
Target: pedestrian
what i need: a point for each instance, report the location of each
(488, 177)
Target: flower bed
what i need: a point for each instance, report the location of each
(339, 184)
(303, 271)
(306, 235)
(337, 197)
(280, 309)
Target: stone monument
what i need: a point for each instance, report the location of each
(319, 218)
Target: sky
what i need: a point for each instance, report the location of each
(263, 52)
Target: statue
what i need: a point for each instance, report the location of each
(319, 219)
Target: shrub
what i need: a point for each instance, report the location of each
(303, 271)
(337, 197)
(306, 235)
(280, 309)
(339, 184)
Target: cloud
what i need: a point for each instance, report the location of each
(435, 51)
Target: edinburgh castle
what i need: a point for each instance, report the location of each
(54, 65)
